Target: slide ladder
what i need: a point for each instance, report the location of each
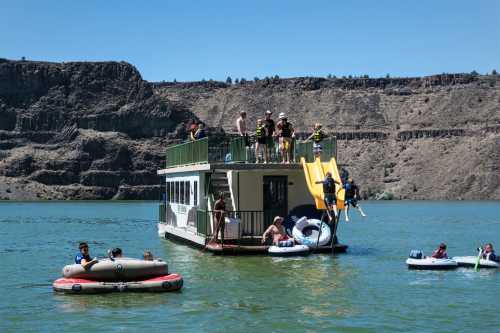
(316, 171)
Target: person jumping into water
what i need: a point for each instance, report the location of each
(330, 196)
(351, 198)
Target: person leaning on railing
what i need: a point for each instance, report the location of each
(197, 132)
(317, 136)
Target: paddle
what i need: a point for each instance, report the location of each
(321, 227)
(334, 233)
(478, 260)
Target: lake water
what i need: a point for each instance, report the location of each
(368, 289)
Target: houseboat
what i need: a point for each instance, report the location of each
(197, 172)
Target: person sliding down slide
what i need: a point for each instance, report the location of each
(351, 198)
(330, 196)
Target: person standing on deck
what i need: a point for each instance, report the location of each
(241, 126)
(286, 134)
(351, 198)
(330, 195)
(270, 131)
(317, 136)
(220, 218)
(260, 141)
(200, 132)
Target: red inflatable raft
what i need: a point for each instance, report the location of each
(164, 283)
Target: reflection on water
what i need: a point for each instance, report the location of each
(369, 289)
(113, 301)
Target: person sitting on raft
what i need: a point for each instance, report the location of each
(317, 136)
(489, 254)
(277, 231)
(117, 252)
(351, 198)
(440, 252)
(83, 258)
(329, 193)
(148, 256)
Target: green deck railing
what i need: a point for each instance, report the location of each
(305, 149)
(216, 150)
(188, 153)
(238, 150)
(202, 222)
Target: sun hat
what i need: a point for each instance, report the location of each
(282, 115)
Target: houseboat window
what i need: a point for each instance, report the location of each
(167, 190)
(171, 198)
(187, 193)
(176, 192)
(195, 193)
(182, 194)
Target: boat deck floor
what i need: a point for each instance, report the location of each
(234, 249)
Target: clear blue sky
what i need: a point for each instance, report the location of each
(191, 40)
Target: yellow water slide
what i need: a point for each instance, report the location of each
(316, 171)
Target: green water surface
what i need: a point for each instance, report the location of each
(369, 289)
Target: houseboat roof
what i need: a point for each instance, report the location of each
(229, 166)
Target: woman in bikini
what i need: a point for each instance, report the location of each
(277, 231)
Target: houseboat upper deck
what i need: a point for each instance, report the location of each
(197, 172)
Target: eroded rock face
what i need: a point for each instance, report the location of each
(99, 131)
(82, 131)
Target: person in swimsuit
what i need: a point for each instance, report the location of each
(286, 134)
(83, 258)
(440, 252)
(220, 218)
(276, 231)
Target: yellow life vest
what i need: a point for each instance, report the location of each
(260, 131)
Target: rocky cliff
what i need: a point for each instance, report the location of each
(98, 130)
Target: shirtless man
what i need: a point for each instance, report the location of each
(277, 231)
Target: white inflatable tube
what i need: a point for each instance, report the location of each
(289, 251)
(431, 263)
(470, 261)
(120, 269)
(307, 233)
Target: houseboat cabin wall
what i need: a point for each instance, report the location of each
(184, 194)
(266, 189)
